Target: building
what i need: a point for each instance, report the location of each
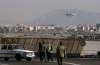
(98, 27)
(44, 27)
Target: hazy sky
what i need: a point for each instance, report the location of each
(25, 11)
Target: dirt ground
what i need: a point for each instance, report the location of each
(66, 62)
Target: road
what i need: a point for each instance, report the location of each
(66, 62)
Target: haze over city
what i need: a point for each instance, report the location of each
(50, 32)
(27, 11)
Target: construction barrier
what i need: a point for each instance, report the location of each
(73, 46)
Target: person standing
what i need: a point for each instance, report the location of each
(45, 52)
(60, 52)
(40, 51)
(49, 50)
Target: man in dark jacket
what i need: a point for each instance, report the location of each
(40, 51)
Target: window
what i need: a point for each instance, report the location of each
(4, 47)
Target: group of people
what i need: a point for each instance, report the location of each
(47, 52)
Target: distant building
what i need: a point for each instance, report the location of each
(93, 28)
(19, 28)
(44, 27)
(98, 27)
(86, 28)
(80, 28)
(23, 28)
(71, 28)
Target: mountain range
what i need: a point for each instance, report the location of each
(63, 17)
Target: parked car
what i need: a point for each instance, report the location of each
(15, 51)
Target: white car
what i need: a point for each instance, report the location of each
(15, 51)
(26, 54)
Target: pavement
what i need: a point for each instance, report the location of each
(72, 61)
